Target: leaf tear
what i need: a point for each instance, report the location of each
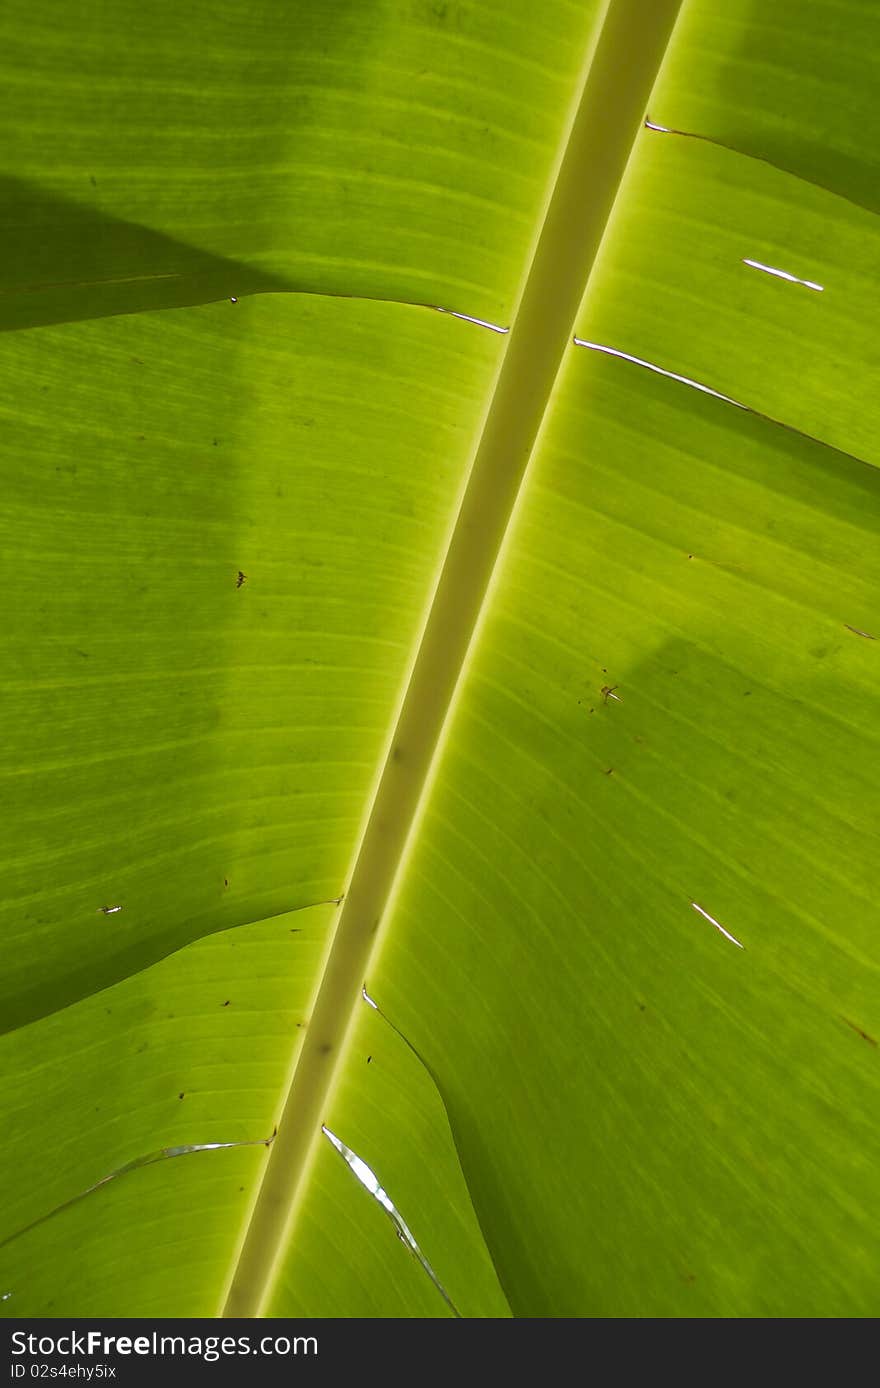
(659, 371)
(466, 318)
(370, 1182)
(784, 275)
(163, 1154)
(718, 926)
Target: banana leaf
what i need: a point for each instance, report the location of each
(440, 759)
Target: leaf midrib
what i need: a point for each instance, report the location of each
(618, 75)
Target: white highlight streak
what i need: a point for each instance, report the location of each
(659, 371)
(370, 1181)
(652, 125)
(718, 926)
(784, 275)
(368, 999)
(466, 318)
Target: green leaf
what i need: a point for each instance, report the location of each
(440, 761)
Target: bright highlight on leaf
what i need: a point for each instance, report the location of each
(370, 1182)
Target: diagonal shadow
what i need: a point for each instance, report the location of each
(803, 147)
(62, 261)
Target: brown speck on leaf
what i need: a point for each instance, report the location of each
(369, 1058)
(609, 772)
(859, 1032)
(295, 930)
(180, 1096)
(608, 693)
(325, 1048)
(241, 579)
(226, 1004)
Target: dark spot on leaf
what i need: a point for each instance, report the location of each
(325, 1048)
(180, 1096)
(241, 578)
(858, 1030)
(226, 1004)
(369, 1058)
(93, 180)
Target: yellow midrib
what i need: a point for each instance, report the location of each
(618, 79)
